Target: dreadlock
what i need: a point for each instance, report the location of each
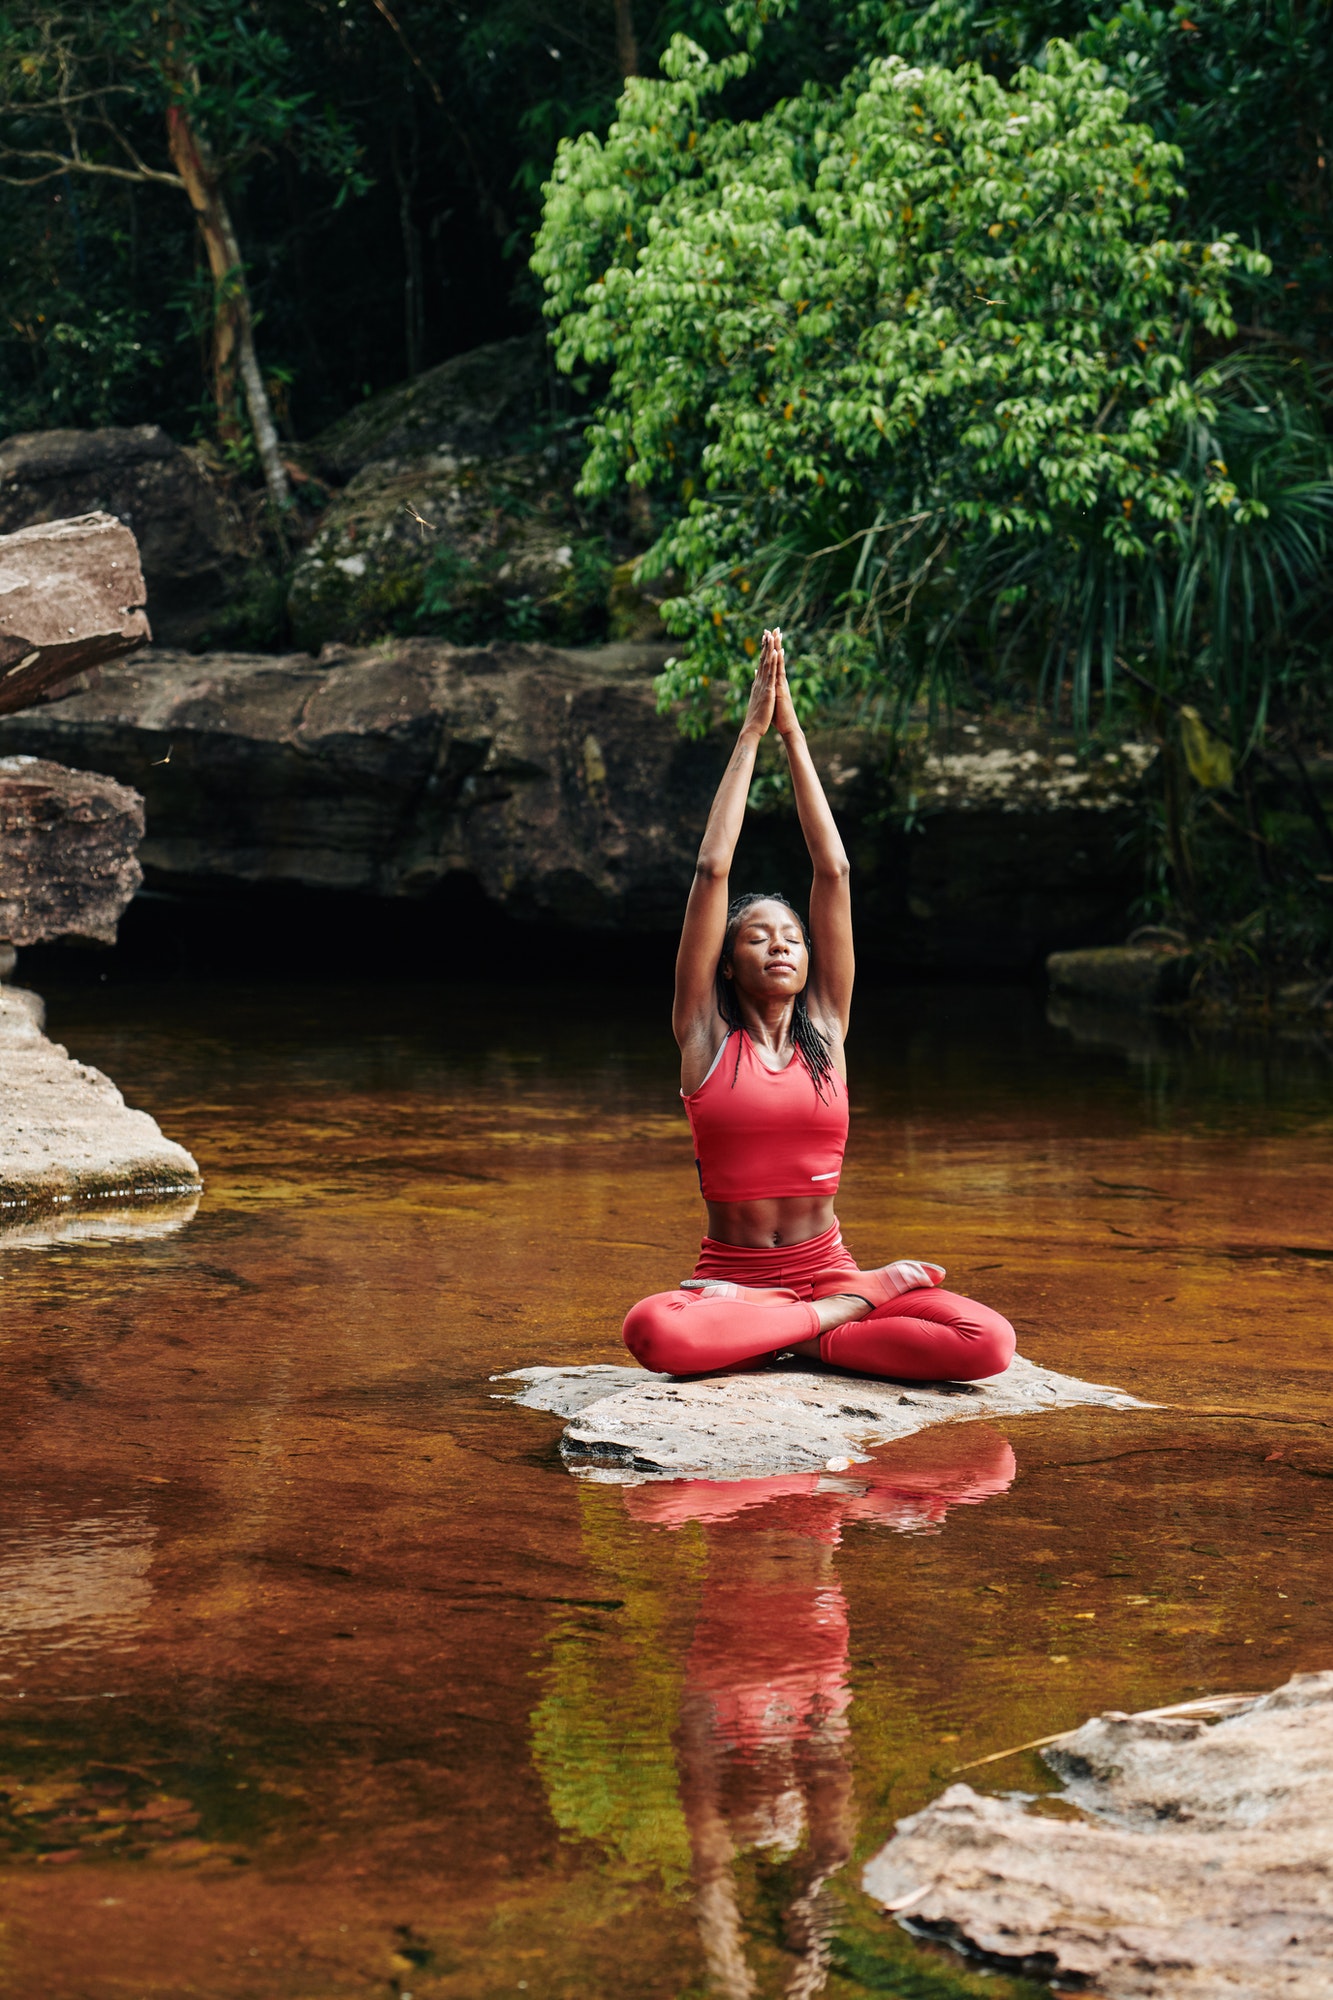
(811, 1044)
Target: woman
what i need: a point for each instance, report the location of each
(760, 1015)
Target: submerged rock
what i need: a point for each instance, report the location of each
(66, 1134)
(68, 853)
(627, 1424)
(1203, 1867)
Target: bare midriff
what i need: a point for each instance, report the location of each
(764, 1225)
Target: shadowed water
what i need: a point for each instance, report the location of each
(322, 1676)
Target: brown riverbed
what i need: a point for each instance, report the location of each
(323, 1677)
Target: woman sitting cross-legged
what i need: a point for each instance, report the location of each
(760, 1015)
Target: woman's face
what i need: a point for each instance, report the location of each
(768, 957)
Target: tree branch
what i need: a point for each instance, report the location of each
(72, 163)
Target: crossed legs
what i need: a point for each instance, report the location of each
(928, 1335)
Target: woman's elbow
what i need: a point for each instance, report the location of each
(712, 868)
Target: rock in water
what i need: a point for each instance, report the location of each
(68, 852)
(1204, 1869)
(628, 1424)
(1135, 976)
(71, 596)
(66, 1133)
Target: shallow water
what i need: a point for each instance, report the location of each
(323, 1677)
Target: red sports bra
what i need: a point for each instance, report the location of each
(762, 1133)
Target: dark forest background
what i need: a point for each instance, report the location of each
(387, 186)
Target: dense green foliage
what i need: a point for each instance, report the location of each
(974, 381)
(866, 338)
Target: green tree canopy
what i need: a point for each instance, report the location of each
(862, 338)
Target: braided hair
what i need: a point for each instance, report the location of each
(811, 1043)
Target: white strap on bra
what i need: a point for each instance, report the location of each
(712, 1065)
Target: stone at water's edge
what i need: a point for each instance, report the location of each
(1203, 1872)
(69, 843)
(1134, 976)
(628, 1424)
(71, 596)
(67, 1136)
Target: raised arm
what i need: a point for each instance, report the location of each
(694, 1017)
(833, 962)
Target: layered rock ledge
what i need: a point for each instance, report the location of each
(626, 1424)
(1201, 1868)
(67, 1136)
(547, 779)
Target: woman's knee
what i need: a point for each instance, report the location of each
(990, 1342)
(653, 1329)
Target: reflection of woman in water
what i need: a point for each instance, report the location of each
(762, 1742)
(760, 1015)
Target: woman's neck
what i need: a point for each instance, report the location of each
(768, 1024)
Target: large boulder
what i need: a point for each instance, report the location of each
(482, 402)
(458, 514)
(200, 555)
(71, 596)
(549, 780)
(473, 547)
(1195, 1861)
(68, 853)
(1139, 976)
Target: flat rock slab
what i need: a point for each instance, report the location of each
(67, 1135)
(628, 1424)
(1204, 1867)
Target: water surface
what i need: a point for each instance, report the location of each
(323, 1677)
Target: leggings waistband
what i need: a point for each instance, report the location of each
(791, 1264)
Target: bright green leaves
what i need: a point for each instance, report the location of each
(861, 337)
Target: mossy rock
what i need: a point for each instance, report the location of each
(462, 547)
(486, 401)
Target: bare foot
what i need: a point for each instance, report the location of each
(836, 1311)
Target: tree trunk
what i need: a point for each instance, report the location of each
(627, 42)
(414, 297)
(233, 319)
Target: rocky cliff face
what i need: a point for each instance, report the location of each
(548, 779)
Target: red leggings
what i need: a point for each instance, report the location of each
(922, 1336)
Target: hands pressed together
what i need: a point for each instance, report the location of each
(770, 697)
